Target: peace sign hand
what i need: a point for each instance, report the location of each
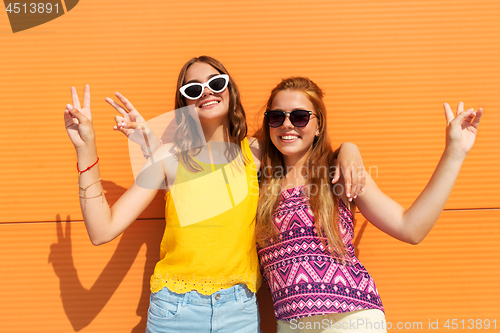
(132, 124)
(130, 119)
(461, 129)
(78, 120)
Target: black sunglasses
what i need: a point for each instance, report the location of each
(298, 118)
(195, 90)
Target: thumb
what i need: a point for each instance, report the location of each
(77, 114)
(461, 116)
(133, 125)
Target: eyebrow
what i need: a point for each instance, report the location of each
(197, 81)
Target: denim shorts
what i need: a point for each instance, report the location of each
(232, 310)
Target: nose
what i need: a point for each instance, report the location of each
(207, 91)
(287, 123)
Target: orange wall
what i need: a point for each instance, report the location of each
(386, 68)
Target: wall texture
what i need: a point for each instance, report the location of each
(386, 68)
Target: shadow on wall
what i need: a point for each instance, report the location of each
(82, 305)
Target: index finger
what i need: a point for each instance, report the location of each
(125, 101)
(117, 106)
(76, 100)
(86, 97)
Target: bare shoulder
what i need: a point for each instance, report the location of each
(253, 141)
(256, 148)
(167, 148)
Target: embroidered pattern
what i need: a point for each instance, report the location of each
(303, 277)
(205, 286)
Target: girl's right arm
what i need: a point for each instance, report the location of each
(102, 222)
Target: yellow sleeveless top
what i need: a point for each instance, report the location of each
(209, 240)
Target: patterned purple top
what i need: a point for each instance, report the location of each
(303, 277)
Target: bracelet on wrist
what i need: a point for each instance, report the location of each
(90, 167)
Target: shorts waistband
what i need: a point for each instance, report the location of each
(237, 292)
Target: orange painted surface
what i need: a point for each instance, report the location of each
(452, 274)
(386, 68)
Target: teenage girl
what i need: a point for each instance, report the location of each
(208, 271)
(305, 224)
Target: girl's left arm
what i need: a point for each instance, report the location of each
(413, 224)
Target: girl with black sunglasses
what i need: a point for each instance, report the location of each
(305, 223)
(208, 271)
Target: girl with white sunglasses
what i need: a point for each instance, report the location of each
(208, 271)
(305, 224)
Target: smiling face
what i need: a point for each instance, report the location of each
(293, 142)
(211, 107)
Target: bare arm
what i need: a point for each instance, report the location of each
(102, 222)
(413, 224)
(350, 167)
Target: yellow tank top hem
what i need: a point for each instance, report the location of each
(205, 286)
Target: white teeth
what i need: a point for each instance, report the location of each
(209, 103)
(289, 137)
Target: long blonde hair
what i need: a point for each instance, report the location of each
(185, 137)
(323, 201)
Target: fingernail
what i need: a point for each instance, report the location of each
(69, 106)
(348, 194)
(350, 199)
(355, 196)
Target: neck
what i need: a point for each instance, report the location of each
(215, 131)
(296, 170)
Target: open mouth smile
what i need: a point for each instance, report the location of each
(209, 103)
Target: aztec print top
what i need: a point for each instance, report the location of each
(303, 277)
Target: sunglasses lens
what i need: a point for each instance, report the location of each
(218, 84)
(275, 118)
(193, 91)
(299, 118)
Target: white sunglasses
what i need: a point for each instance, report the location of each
(195, 90)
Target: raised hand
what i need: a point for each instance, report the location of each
(78, 120)
(461, 130)
(130, 119)
(133, 125)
